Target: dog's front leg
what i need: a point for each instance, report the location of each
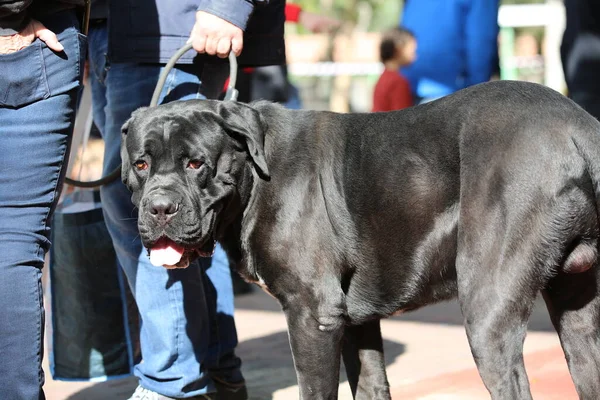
(365, 366)
(315, 339)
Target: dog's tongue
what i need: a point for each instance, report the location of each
(165, 252)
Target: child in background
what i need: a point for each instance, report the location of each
(392, 91)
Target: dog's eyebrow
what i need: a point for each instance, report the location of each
(167, 126)
(153, 143)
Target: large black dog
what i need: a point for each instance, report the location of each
(491, 194)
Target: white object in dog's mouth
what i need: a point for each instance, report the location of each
(169, 254)
(166, 252)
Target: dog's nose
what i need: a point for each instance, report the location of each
(163, 207)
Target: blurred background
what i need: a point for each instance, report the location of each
(338, 70)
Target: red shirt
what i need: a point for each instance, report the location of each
(392, 92)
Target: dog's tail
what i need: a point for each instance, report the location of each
(584, 251)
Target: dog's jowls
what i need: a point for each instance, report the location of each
(490, 194)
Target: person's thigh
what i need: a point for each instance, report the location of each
(127, 87)
(175, 319)
(36, 120)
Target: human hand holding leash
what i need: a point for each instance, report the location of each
(215, 36)
(35, 29)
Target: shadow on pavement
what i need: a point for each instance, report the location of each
(268, 367)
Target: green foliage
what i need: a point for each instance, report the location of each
(386, 16)
(382, 14)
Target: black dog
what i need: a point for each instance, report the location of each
(490, 194)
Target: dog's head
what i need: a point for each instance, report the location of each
(189, 167)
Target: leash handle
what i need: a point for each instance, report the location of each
(230, 95)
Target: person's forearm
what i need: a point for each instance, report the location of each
(13, 16)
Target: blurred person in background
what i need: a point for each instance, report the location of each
(392, 90)
(580, 53)
(458, 45)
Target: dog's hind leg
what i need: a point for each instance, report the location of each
(496, 325)
(498, 279)
(574, 305)
(362, 352)
(496, 313)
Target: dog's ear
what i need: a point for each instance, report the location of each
(125, 126)
(125, 163)
(248, 123)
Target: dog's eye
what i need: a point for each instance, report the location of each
(194, 164)
(141, 165)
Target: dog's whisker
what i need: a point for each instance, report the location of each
(135, 239)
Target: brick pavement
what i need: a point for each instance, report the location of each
(427, 358)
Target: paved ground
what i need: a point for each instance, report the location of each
(427, 357)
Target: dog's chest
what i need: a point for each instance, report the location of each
(250, 274)
(260, 282)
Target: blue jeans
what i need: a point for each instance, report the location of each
(188, 333)
(38, 92)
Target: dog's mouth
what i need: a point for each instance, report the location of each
(167, 253)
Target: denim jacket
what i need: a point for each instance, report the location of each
(153, 30)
